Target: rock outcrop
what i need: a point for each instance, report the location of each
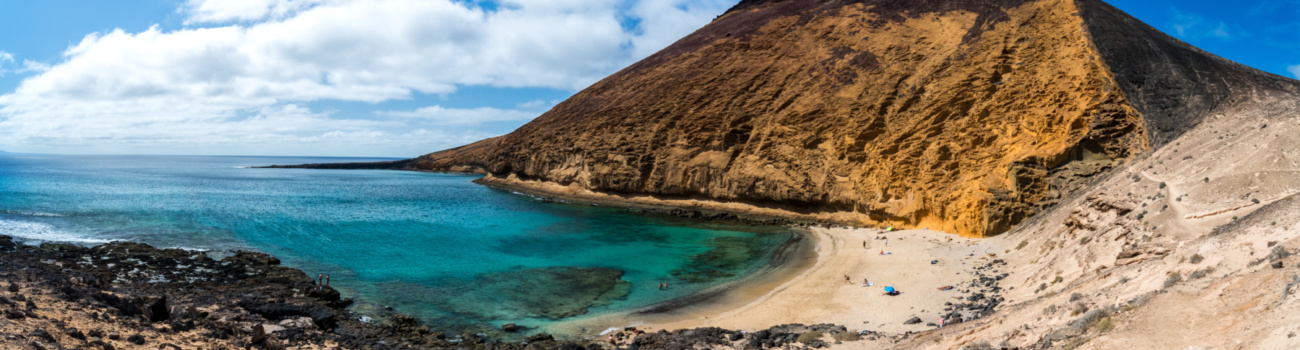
(964, 116)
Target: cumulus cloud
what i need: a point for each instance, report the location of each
(1295, 70)
(241, 71)
(1194, 26)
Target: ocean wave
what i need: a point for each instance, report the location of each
(31, 213)
(36, 231)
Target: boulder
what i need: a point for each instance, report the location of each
(155, 309)
(43, 335)
(297, 322)
(136, 339)
(74, 333)
(259, 334)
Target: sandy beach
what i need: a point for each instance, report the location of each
(819, 292)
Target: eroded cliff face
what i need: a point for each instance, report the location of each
(963, 116)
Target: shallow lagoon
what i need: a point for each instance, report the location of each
(436, 246)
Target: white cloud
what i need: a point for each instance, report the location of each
(1194, 26)
(454, 116)
(1295, 70)
(5, 58)
(219, 11)
(669, 20)
(243, 76)
(33, 66)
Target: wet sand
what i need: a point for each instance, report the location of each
(813, 290)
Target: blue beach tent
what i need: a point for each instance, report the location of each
(889, 289)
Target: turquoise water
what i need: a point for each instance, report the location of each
(455, 254)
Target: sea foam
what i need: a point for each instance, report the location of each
(30, 213)
(36, 231)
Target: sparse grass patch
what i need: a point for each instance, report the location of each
(810, 336)
(1173, 279)
(1075, 297)
(1105, 325)
(1084, 240)
(1196, 258)
(1200, 273)
(1058, 279)
(1079, 308)
(1076, 342)
(848, 336)
(1022, 244)
(1050, 310)
(1083, 323)
(1279, 253)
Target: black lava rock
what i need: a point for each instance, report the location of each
(136, 339)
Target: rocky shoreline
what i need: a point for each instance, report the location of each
(125, 295)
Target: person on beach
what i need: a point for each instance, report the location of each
(847, 279)
(864, 244)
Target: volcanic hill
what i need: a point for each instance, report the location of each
(964, 116)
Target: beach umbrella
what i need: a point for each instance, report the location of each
(889, 289)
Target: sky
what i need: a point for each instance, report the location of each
(387, 78)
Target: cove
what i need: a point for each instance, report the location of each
(458, 256)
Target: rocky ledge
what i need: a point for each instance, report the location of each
(128, 295)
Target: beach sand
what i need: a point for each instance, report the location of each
(819, 294)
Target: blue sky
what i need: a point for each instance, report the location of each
(386, 77)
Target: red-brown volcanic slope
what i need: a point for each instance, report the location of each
(964, 116)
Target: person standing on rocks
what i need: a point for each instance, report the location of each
(327, 280)
(320, 280)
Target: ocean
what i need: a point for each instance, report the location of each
(454, 254)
